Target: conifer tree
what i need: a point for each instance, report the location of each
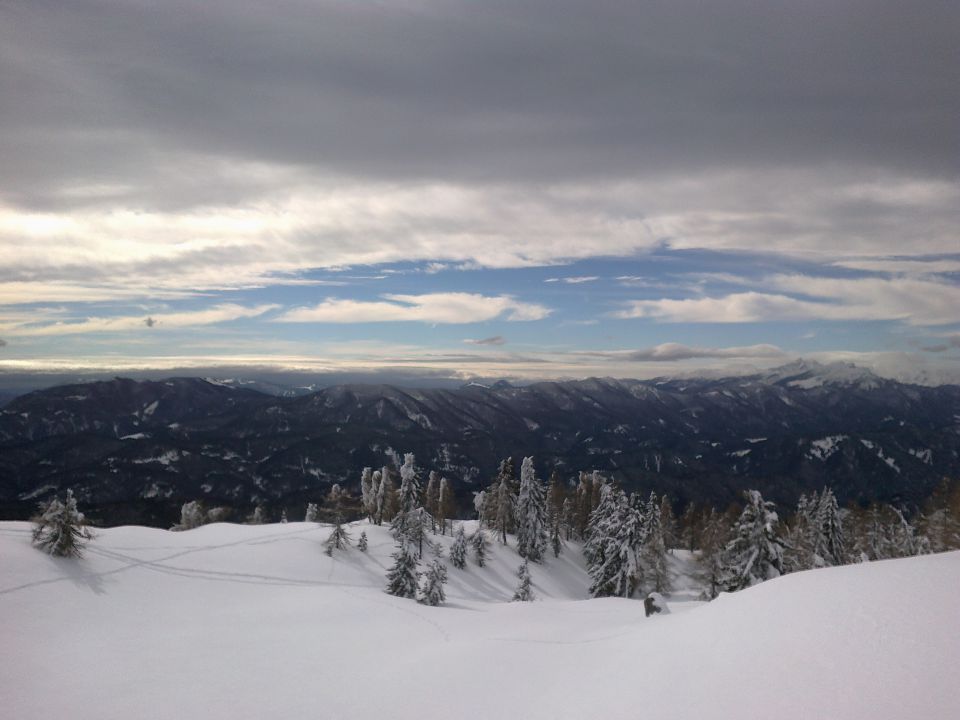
(338, 539)
(711, 555)
(668, 524)
(531, 514)
(556, 541)
(755, 553)
(434, 579)
(556, 496)
(802, 537)
(446, 506)
(404, 575)
(506, 501)
(830, 544)
(362, 542)
(312, 513)
(524, 592)
(259, 516)
(409, 496)
(458, 551)
(368, 493)
(432, 499)
(568, 518)
(191, 516)
(616, 535)
(61, 529)
(655, 547)
(479, 542)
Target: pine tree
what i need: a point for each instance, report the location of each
(711, 555)
(434, 579)
(283, 516)
(339, 539)
(523, 593)
(191, 516)
(259, 516)
(447, 505)
(60, 528)
(409, 496)
(479, 542)
(655, 547)
(362, 542)
(458, 551)
(755, 553)
(506, 501)
(403, 577)
(480, 505)
(556, 541)
(368, 493)
(802, 537)
(830, 544)
(391, 499)
(312, 513)
(432, 499)
(531, 514)
(668, 524)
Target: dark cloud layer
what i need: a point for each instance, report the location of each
(146, 99)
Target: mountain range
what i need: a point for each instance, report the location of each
(133, 451)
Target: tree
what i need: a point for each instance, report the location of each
(506, 501)
(802, 537)
(60, 528)
(368, 493)
(830, 545)
(403, 576)
(447, 505)
(531, 515)
(616, 535)
(755, 553)
(191, 516)
(432, 499)
(312, 513)
(655, 547)
(713, 542)
(362, 542)
(458, 551)
(409, 496)
(523, 593)
(479, 542)
(283, 516)
(339, 539)
(259, 516)
(434, 579)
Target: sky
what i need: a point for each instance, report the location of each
(517, 189)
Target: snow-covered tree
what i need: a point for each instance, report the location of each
(433, 581)
(479, 542)
(506, 502)
(556, 539)
(258, 517)
(711, 554)
(800, 545)
(192, 516)
(312, 513)
(362, 542)
(616, 535)
(60, 528)
(655, 547)
(523, 593)
(755, 553)
(368, 493)
(404, 575)
(432, 499)
(446, 505)
(283, 516)
(409, 496)
(531, 514)
(458, 551)
(338, 539)
(480, 506)
(668, 524)
(830, 544)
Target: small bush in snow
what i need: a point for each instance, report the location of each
(436, 576)
(362, 542)
(523, 593)
(458, 551)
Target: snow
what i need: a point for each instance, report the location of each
(825, 447)
(888, 460)
(164, 458)
(247, 622)
(134, 436)
(151, 408)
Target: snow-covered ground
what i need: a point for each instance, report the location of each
(230, 621)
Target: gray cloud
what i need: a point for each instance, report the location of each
(673, 352)
(449, 90)
(495, 340)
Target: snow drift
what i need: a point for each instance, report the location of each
(230, 621)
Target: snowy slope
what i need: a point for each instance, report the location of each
(233, 621)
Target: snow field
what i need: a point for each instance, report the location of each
(231, 621)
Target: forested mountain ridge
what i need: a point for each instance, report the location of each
(137, 450)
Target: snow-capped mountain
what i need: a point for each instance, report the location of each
(139, 449)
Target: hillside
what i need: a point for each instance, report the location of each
(135, 451)
(230, 621)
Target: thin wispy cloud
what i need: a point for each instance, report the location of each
(495, 340)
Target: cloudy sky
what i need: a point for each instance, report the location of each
(526, 189)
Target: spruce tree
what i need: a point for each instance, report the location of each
(446, 505)
(755, 553)
(655, 547)
(531, 514)
(711, 554)
(434, 579)
(312, 513)
(523, 593)
(506, 501)
(404, 575)
(259, 516)
(432, 499)
(830, 544)
(368, 493)
(191, 516)
(479, 542)
(458, 551)
(60, 528)
(362, 542)
(409, 496)
(338, 539)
